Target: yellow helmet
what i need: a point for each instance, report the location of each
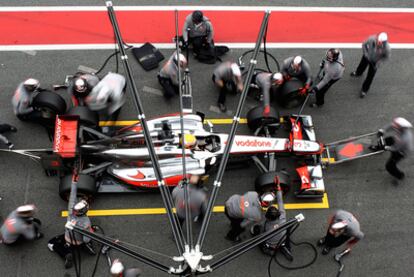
(189, 140)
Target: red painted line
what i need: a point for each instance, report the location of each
(93, 27)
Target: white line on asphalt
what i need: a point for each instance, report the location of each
(207, 8)
(106, 46)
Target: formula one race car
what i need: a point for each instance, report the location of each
(121, 163)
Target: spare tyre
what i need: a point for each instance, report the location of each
(86, 116)
(86, 186)
(49, 103)
(255, 118)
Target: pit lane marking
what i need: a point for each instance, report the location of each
(217, 209)
(131, 122)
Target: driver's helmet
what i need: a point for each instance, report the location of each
(31, 84)
(267, 199)
(401, 123)
(81, 208)
(189, 141)
(26, 211)
(117, 267)
(80, 87)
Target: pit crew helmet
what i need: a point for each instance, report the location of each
(117, 267)
(26, 210)
(401, 123)
(277, 78)
(80, 86)
(235, 69)
(31, 84)
(182, 58)
(81, 208)
(197, 17)
(337, 226)
(332, 54)
(267, 199)
(382, 37)
(296, 63)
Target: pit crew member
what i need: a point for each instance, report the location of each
(297, 67)
(168, 75)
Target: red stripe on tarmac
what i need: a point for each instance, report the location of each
(93, 27)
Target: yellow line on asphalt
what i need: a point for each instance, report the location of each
(217, 121)
(217, 209)
(328, 160)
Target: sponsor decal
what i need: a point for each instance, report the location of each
(58, 134)
(253, 143)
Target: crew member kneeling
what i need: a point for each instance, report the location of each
(227, 77)
(23, 98)
(168, 75)
(20, 224)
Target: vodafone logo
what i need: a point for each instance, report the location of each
(253, 143)
(58, 134)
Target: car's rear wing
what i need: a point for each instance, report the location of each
(66, 136)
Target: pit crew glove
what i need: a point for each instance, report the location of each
(322, 64)
(304, 90)
(266, 111)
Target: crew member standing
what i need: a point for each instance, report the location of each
(243, 210)
(343, 228)
(4, 128)
(168, 75)
(197, 199)
(198, 32)
(274, 218)
(227, 77)
(268, 83)
(108, 96)
(332, 70)
(20, 224)
(398, 138)
(297, 67)
(63, 244)
(374, 50)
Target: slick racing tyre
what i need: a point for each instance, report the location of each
(288, 96)
(49, 104)
(266, 182)
(86, 187)
(255, 118)
(86, 116)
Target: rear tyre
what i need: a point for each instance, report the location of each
(86, 187)
(49, 104)
(255, 118)
(266, 182)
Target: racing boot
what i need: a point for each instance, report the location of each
(222, 107)
(68, 261)
(362, 94)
